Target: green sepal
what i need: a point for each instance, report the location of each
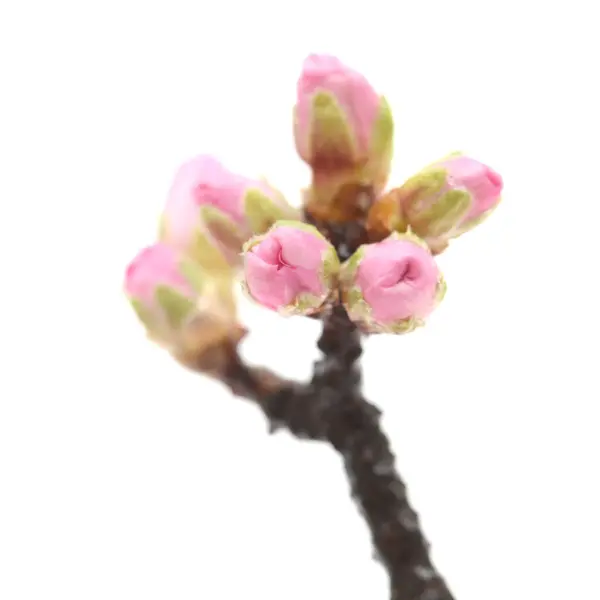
(201, 250)
(405, 326)
(299, 225)
(408, 236)
(355, 304)
(350, 267)
(445, 214)
(331, 267)
(193, 274)
(261, 211)
(253, 241)
(332, 141)
(471, 223)
(177, 307)
(246, 290)
(382, 138)
(419, 190)
(441, 290)
(205, 253)
(303, 304)
(222, 228)
(143, 313)
(397, 222)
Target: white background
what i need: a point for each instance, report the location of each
(122, 477)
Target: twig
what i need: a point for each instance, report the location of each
(331, 408)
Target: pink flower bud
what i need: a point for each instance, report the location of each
(444, 200)
(342, 126)
(169, 293)
(211, 212)
(291, 269)
(391, 286)
(483, 184)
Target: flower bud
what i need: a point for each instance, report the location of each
(483, 184)
(177, 302)
(291, 269)
(211, 212)
(441, 202)
(343, 129)
(391, 286)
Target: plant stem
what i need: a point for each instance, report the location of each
(355, 432)
(331, 408)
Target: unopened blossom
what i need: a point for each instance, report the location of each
(342, 127)
(211, 211)
(441, 202)
(174, 297)
(291, 269)
(391, 286)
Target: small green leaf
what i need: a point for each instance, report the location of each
(332, 142)
(261, 211)
(176, 306)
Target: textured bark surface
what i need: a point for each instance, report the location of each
(331, 408)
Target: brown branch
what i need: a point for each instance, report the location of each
(331, 408)
(355, 431)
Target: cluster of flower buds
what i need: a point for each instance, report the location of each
(182, 287)
(344, 131)
(386, 287)
(215, 221)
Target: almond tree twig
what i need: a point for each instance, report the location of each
(331, 408)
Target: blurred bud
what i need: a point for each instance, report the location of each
(177, 302)
(211, 212)
(439, 203)
(343, 129)
(291, 269)
(391, 286)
